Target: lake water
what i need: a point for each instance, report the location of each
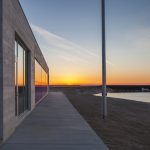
(143, 96)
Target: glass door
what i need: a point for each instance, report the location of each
(20, 79)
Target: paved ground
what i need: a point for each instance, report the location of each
(54, 125)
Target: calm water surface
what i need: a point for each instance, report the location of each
(143, 96)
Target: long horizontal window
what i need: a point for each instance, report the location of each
(41, 82)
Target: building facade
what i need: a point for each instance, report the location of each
(24, 74)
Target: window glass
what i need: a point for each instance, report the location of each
(20, 79)
(41, 82)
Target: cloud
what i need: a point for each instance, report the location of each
(66, 49)
(110, 63)
(69, 58)
(61, 43)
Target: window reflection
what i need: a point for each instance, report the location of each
(41, 82)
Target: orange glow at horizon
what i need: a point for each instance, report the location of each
(75, 80)
(78, 77)
(96, 80)
(114, 77)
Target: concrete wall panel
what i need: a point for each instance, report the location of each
(15, 23)
(1, 74)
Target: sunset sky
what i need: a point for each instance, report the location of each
(69, 35)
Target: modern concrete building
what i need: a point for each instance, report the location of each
(24, 74)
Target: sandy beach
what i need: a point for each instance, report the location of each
(128, 123)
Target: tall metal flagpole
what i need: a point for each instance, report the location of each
(104, 88)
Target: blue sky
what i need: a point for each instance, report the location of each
(69, 34)
(76, 20)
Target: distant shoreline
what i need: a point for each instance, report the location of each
(141, 85)
(98, 89)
